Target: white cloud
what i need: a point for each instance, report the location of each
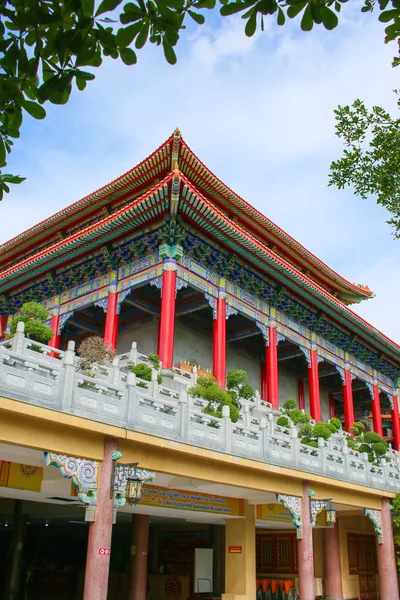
(258, 112)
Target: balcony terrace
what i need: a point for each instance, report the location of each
(37, 374)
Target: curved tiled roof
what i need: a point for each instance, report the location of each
(157, 165)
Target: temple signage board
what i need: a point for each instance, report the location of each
(185, 500)
(278, 513)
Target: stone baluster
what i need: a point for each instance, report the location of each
(19, 340)
(271, 422)
(228, 429)
(263, 426)
(154, 387)
(133, 354)
(194, 375)
(69, 376)
(131, 396)
(183, 401)
(295, 446)
(322, 455)
(115, 371)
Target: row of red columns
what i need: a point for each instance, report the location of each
(269, 375)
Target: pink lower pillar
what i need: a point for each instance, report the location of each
(387, 568)
(333, 570)
(139, 553)
(305, 550)
(99, 540)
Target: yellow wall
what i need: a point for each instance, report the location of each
(240, 568)
(352, 523)
(35, 427)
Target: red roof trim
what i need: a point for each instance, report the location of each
(268, 223)
(286, 265)
(57, 217)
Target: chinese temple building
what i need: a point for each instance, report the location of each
(167, 260)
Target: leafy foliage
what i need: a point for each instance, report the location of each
(296, 416)
(48, 46)
(34, 316)
(208, 389)
(143, 371)
(93, 350)
(369, 442)
(238, 387)
(371, 158)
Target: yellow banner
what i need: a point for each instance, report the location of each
(277, 512)
(158, 496)
(20, 477)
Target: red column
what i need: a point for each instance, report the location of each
(272, 368)
(387, 568)
(376, 410)
(3, 326)
(348, 400)
(167, 319)
(305, 550)
(313, 382)
(98, 565)
(139, 552)
(300, 394)
(115, 332)
(109, 328)
(396, 423)
(263, 374)
(54, 323)
(333, 569)
(331, 406)
(219, 343)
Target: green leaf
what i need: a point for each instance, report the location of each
(2, 152)
(210, 4)
(329, 18)
(35, 110)
(142, 35)
(251, 24)
(200, 19)
(281, 17)
(169, 52)
(107, 6)
(307, 19)
(388, 15)
(80, 83)
(128, 56)
(126, 35)
(295, 9)
(234, 7)
(12, 178)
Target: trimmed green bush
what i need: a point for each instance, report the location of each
(34, 316)
(283, 422)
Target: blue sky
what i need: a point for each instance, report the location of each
(258, 112)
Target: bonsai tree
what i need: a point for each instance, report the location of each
(290, 413)
(308, 433)
(238, 387)
(208, 389)
(143, 370)
(370, 442)
(93, 350)
(34, 315)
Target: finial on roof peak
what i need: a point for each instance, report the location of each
(176, 170)
(177, 132)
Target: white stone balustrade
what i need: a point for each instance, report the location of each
(37, 374)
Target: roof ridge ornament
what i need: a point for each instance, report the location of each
(175, 190)
(175, 147)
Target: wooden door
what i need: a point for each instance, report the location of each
(363, 562)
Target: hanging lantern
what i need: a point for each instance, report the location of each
(133, 488)
(330, 515)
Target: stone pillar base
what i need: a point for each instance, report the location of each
(236, 597)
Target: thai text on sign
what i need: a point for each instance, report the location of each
(163, 497)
